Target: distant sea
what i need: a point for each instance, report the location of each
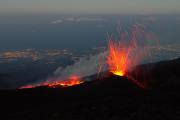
(80, 32)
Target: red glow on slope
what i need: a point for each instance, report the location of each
(26, 87)
(73, 80)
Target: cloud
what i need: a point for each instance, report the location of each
(57, 21)
(70, 19)
(85, 19)
(78, 19)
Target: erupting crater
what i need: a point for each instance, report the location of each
(117, 58)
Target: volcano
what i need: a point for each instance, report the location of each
(111, 97)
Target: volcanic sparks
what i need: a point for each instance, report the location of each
(126, 52)
(130, 50)
(121, 58)
(117, 59)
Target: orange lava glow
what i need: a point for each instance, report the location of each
(119, 73)
(121, 58)
(117, 58)
(73, 80)
(26, 87)
(126, 52)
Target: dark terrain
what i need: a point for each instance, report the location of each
(109, 98)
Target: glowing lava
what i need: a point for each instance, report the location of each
(121, 58)
(126, 52)
(131, 49)
(119, 73)
(117, 58)
(73, 80)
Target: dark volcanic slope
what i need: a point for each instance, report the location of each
(111, 98)
(160, 74)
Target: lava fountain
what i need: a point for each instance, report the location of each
(120, 60)
(117, 58)
(125, 54)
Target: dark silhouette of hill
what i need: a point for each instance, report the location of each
(109, 98)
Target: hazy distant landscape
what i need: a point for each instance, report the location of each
(80, 32)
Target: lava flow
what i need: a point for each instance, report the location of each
(73, 80)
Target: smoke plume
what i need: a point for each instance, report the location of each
(85, 66)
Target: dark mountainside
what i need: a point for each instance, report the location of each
(108, 98)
